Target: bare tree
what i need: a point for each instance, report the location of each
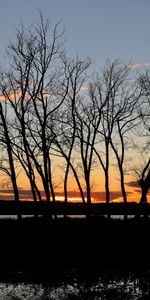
(143, 82)
(144, 181)
(144, 85)
(118, 117)
(33, 87)
(5, 140)
(126, 119)
(8, 162)
(65, 137)
(88, 118)
(107, 87)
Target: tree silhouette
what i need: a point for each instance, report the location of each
(57, 110)
(144, 111)
(5, 139)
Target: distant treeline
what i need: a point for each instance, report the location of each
(58, 119)
(99, 211)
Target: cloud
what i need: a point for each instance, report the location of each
(24, 194)
(137, 66)
(72, 195)
(138, 191)
(11, 96)
(99, 196)
(132, 183)
(114, 195)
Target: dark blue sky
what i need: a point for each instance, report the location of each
(98, 28)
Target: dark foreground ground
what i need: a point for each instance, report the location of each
(38, 246)
(73, 259)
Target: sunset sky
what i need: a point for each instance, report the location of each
(100, 29)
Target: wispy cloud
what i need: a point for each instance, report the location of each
(137, 66)
(72, 195)
(114, 196)
(133, 183)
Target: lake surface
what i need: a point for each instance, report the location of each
(90, 284)
(14, 217)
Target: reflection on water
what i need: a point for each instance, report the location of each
(76, 284)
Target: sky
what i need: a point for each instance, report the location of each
(100, 29)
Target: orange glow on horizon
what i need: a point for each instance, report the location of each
(72, 199)
(97, 194)
(97, 197)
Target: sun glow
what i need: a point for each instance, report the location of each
(72, 199)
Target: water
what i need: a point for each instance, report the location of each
(14, 217)
(78, 284)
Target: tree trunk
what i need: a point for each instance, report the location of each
(124, 195)
(46, 180)
(145, 187)
(107, 174)
(10, 158)
(65, 183)
(107, 187)
(88, 193)
(79, 185)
